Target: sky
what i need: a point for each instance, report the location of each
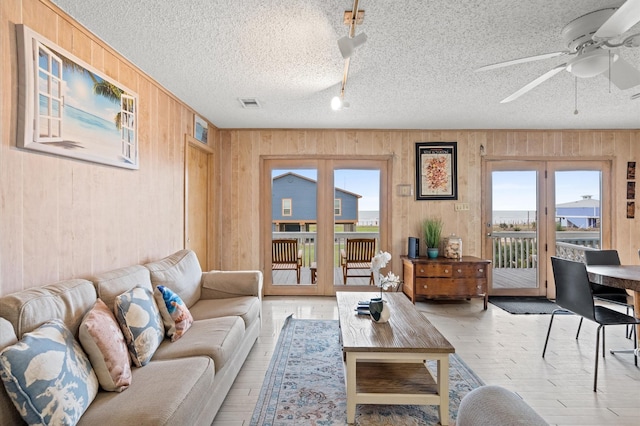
(517, 190)
(511, 190)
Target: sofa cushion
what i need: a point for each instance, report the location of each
(111, 284)
(48, 376)
(247, 307)
(102, 339)
(171, 392)
(216, 338)
(180, 272)
(175, 315)
(66, 300)
(139, 319)
(8, 413)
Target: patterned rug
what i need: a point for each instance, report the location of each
(304, 384)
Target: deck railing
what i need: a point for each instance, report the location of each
(510, 249)
(307, 243)
(519, 249)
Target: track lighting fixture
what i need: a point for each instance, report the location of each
(347, 46)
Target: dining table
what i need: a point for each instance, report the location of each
(619, 276)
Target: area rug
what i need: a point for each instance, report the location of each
(304, 384)
(523, 304)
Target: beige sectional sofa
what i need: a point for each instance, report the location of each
(186, 381)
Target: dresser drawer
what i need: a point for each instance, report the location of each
(434, 270)
(469, 270)
(464, 287)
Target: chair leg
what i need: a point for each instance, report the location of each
(579, 326)
(603, 351)
(595, 374)
(344, 274)
(548, 333)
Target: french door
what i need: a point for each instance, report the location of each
(315, 205)
(535, 209)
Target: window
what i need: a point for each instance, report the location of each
(128, 129)
(337, 207)
(49, 122)
(286, 207)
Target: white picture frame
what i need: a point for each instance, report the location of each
(68, 108)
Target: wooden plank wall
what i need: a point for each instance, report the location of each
(240, 152)
(62, 218)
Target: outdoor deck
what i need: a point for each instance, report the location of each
(502, 278)
(288, 277)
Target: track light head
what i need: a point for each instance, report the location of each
(348, 45)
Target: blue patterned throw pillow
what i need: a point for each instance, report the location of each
(140, 321)
(48, 376)
(175, 314)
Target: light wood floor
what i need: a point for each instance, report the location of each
(503, 349)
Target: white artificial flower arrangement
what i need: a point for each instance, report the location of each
(388, 281)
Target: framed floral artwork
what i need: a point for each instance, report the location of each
(436, 171)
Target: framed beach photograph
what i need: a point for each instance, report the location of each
(436, 171)
(68, 108)
(200, 129)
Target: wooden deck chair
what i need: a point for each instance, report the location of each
(358, 255)
(285, 255)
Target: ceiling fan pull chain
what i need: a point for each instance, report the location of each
(575, 111)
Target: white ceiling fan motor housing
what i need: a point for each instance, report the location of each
(580, 31)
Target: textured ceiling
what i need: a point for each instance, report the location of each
(416, 71)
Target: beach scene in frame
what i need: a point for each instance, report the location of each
(70, 109)
(200, 129)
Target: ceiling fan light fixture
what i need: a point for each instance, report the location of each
(591, 63)
(336, 103)
(348, 45)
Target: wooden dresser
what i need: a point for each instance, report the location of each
(443, 278)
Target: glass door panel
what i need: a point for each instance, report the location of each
(294, 226)
(356, 216)
(578, 205)
(513, 230)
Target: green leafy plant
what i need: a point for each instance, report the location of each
(432, 229)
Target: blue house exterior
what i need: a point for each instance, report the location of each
(293, 204)
(583, 214)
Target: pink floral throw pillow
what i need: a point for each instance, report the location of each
(175, 315)
(102, 339)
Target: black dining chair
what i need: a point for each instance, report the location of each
(574, 295)
(605, 293)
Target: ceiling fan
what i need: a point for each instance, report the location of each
(591, 49)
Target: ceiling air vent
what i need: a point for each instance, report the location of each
(249, 103)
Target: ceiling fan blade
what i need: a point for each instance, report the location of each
(522, 60)
(622, 19)
(623, 74)
(544, 77)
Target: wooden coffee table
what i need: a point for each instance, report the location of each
(386, 363)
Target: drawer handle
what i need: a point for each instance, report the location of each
(424, 286)
(459, 271)
(446, 271)
(422, 270)
(480, 270)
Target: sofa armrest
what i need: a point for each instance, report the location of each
(226, 284)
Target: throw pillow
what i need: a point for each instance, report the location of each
(175, 314)
(47, 376)
(139, 319)
(102, 339)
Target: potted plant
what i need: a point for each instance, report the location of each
(432, 229)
